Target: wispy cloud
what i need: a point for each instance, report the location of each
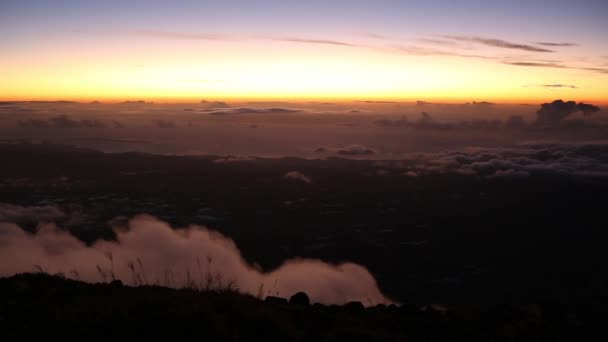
(600, 70)
(378, 36)
(181, 35)
(553, 86)
(220, 36)
(537, 64)
(556, 66)
(556, 44)
(499, 43)
(311, 41)
(423, 51)
(443, 42)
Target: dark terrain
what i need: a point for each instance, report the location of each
(44, 306)
(522, 257)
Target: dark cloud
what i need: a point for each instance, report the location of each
(537, 64)
(92, 123)
(35, 123)
(378, 102)
(215, 104)
(498, 43)
(355, 150)
(551, 113)
(557, 85)
(248, 110)
(401, 122)
(138, 102)
(114, 140)
(425, 121)
(588, 109)
(7, 106)
(61, 121)
(555, 65)
(65, 122)
(555, 44)
(600, 70)
(556, 111)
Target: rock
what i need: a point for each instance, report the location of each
(299, 298)
(116, 283)
(276, 300)
(354, 306)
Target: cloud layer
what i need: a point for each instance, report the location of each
(149, 251)
(516, 163)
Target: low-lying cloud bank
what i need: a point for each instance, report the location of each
(246, 110)
(61, 121)
(149, 251)
(515, 163)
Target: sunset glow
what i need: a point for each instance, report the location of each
(390, 50)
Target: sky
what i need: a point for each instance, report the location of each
(182, 51)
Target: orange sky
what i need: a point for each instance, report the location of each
(110, 58)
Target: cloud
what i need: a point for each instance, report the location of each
(537, 64)
(246, 110)
(137, 102)
(600, 70)
(442, 42)
(61, 121)
(588, 109)
(425, 121)
(149, 251)
(180, 35)
(37, 123)
(556, 111)
(556, 44)
(19, 214)
(423, 51)
(312, 41)
(232, 159)
(64, 121)
(297, 175)
(214, 104)
(378, 102)
(401, 122)
(555, 65)
(355, 150)
(8, 106)
(556, 85)
(218, 36)
(517, 163)
(498, 43)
